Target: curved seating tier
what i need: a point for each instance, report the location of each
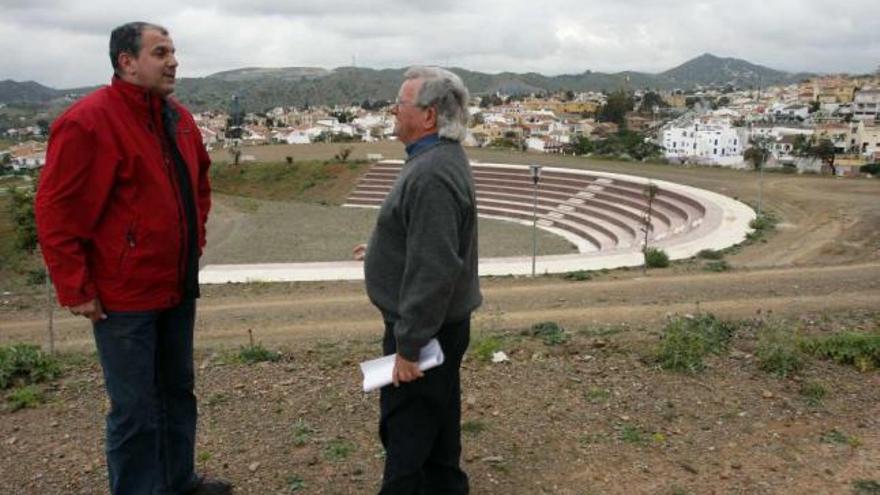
(604, 211)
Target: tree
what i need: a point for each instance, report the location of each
(758, 153)
(824, 150)
(650, 193)
(23, 215)
(650, 101)
(616, 107)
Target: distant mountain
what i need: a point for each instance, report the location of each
(26, 92)
(263, 88)
(709, 70)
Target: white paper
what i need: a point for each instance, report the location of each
(377, 372)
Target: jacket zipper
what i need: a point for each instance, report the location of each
(166, 158)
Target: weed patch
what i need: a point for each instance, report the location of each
(778, 352)
(656, 258)
(550, 332)
(24, 364)
(861, 350)
(26, 397)
(688, 339)
(338, 450)
(485, 347)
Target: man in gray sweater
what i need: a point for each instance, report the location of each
(421, 272)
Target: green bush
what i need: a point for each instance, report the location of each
(764, 222)
(861, 350)
(778, 351)
(813, 393)
(710, 254)
(484, 347)
(24, 398)
(871, 168)
(578, 276)
(688, 339)
(25, 364)
(550, 332)
(717, 266)
(656, 258)
(256, 353)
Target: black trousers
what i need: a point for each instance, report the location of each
(420, 422)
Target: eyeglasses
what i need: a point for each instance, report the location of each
(398, 103)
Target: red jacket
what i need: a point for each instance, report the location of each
(107, 206)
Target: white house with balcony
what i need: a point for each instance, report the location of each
(708, 144)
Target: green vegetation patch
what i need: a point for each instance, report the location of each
(861, 350)
(686, 340)
(656, 258)
(25, 364)
(550, 333)
(24, 398)
(307, 181)
(778, 350)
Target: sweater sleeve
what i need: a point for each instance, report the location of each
(432, 217)
(73, 189)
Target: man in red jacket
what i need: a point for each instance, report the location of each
(121, 211)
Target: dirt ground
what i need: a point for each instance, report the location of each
(592, 415)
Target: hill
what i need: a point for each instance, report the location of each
(262, 88)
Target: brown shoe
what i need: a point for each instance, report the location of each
(212, 486)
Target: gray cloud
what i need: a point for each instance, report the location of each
(64, 43)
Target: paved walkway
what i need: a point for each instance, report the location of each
(726, 223)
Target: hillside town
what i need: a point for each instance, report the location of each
(827, 124)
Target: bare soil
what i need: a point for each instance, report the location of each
(592, 415)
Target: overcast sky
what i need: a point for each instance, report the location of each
(63, 43)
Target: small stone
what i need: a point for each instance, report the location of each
(54, 424)
(12, 441)
(767, 394)
(253, 466)
(599, 344)
(470, 401)
(493, 459)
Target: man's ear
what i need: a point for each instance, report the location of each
(431, 118)
(126, 63)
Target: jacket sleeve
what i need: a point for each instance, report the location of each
(203, 189)
(433, 223)
(72, 192)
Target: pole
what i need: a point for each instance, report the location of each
(760, 188)
(535, 171)
(50, 313)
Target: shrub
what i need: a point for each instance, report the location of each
(578, 275)
(861, 350)
(26, 364)
(710, 254)
(813, 393)
(717, 266)
(688, 339)
(550, 332)
(24, 398)
(778, 352)
(656, 258)
(485, 347)
(256, 353)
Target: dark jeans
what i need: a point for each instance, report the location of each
(420, 422)
(147, 357)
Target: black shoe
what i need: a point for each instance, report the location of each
(212, 486)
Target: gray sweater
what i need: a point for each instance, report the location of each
(421, 261)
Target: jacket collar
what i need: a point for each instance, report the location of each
(143, 102)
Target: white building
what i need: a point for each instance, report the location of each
(866, 105)
(708, 144)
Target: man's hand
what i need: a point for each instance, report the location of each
(91, 310)
(359, 252)
(405, 371)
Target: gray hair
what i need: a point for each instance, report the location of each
(444, 91)
(127, 38)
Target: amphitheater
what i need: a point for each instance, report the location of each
(600, 213)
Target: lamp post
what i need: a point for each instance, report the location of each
(535, 172)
